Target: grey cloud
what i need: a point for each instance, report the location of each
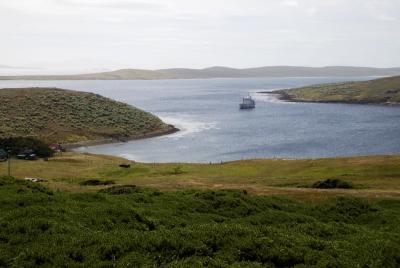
(2, 66)
(156, 34)
(117, 4)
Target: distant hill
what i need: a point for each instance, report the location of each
(217, 72)
(379, 91)
(65, 116)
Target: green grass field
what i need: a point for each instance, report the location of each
(379, 91)
(254, 213)
(139, 227)
(66, 116)
(372, 176)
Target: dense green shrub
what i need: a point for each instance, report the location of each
(19, 144)
(128, 226)
(120, 189)
(95, 182)
(332, 184)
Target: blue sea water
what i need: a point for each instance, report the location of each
(213, 128)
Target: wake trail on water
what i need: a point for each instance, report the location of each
(187, 125)
(264, 97)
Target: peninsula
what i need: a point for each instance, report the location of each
(378, 91)
(66, 116)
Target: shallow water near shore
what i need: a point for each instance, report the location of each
(213, 129)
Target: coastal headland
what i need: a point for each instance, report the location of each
(74, 118)
(377, 91)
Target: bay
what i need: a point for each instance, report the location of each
(213, 129)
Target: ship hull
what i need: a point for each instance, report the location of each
(246, 106)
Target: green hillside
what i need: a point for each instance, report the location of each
(129, 226)
(379, 91)
(65, 116)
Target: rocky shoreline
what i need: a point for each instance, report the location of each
(171, 129)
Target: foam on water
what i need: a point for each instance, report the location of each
(187, 125)
(274, 98)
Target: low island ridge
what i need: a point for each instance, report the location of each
(378, 91)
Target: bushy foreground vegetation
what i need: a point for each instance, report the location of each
(136, 227)
(56, 115)
(383, 90)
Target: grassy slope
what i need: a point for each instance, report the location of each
(384, 90)
(56, 115)
(373, 176)
(147, 228)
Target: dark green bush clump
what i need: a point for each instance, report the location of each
(121, 189)
(95, 182)
(19, 144)
(332, 184)
(148, 228)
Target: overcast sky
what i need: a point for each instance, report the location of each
(53, 36)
